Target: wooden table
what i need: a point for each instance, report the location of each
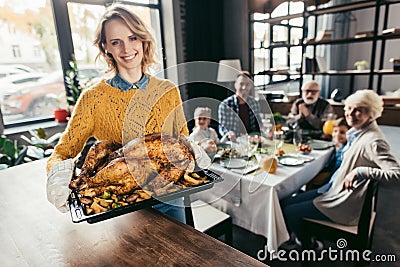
(34, 233)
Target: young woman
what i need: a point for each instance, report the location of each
(130, 104)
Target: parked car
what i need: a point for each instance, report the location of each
(41, 98)
(12, 69)
(13, 83)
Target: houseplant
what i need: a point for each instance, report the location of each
(61, 114)
(361, 65)
(74, 88)
(10, 153)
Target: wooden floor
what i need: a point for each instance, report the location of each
(250, 244)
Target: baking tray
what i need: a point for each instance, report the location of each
(77, 209)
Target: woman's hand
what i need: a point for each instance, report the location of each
(58, 181)
(349, 180)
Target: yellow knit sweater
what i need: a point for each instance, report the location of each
(108, 113)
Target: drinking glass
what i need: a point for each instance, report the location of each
(254, 142)
(278, 140)
(327, 128)
(297, 138)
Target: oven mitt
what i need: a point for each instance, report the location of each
(58, 180)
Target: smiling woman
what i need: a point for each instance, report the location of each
(131, 104)
(33, 27)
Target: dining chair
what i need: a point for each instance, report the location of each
(209, 220)
(358, 237)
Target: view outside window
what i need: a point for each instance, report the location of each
(29, 54)
(279, 36)
(31, 77)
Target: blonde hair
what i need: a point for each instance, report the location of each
(368, 99)
(136, 25)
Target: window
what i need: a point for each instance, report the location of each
(32, 55)
(35, 51)
(16, 50)
(277, 43)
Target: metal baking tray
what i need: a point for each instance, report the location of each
(77, 209)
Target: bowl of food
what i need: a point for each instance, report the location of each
(304, 149)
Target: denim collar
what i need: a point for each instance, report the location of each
(118, 82)
(352, 134)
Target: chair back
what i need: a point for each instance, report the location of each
(367, 221)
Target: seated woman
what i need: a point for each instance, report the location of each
(366, 156)
(339, 138)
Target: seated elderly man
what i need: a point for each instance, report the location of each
(310, 111)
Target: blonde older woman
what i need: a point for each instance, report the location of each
(366, 157)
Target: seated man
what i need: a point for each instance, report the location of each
(310, 111)
(240, 105)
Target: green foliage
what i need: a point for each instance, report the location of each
(277, 118)
(39, 139)
(74, 89)
(10, 153)
(40, 146)
(363, 63)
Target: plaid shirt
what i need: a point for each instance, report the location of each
(228, 115)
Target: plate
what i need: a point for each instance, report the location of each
(306, 158)
(290, 160)
(233, 163)
(320, 145)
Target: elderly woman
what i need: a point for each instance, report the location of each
(366, 156)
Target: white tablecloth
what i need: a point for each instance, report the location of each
(259, 210)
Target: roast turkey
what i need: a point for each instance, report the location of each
(151, 162)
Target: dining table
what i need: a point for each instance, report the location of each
(35, 233)
(252, 199)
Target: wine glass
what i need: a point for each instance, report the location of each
(278, 140)
(297, 138)
(254, 142)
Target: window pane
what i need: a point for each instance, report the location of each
(261, 32)
(295, 36)
(29, 54)
(261, 60)
(279, 34)
(280, 10)
(260, 16)
(279, 58)
(297, 22)
(296, 7)
(295, 57)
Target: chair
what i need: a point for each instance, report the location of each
(209, 220)
(357, 237)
